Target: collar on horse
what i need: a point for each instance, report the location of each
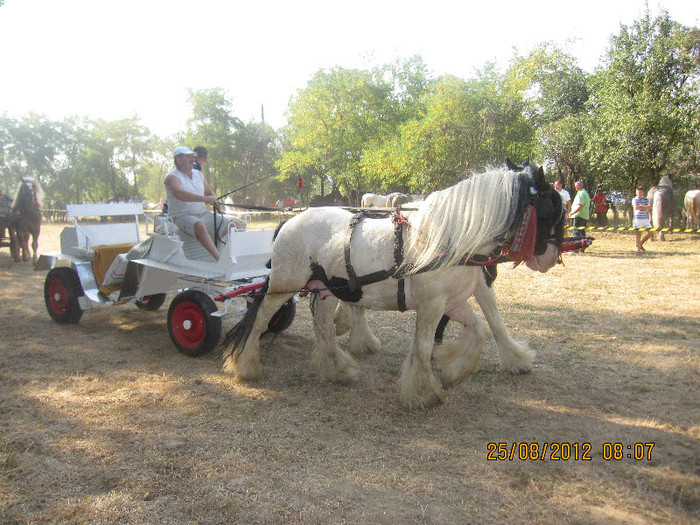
(518, 249)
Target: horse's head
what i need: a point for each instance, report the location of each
(28, 197)
(550, 216)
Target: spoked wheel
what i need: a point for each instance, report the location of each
(192, 328)
(283, 317)
(151, 303)
(61, 291)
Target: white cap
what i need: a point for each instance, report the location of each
(182, 150)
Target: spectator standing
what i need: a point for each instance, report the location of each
(641, 218)
(580, 210)
(565, 197)
(600, 206)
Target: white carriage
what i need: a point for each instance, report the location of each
(111, 262)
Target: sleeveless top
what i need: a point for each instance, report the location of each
(194, 184)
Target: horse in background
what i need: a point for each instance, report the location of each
(373, 200)
(26, 219)
(663, 204)
(691, 205)
(393, 200)
(334, 198)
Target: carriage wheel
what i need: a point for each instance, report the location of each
(61, 291)
(151, 303)
(283, 317)
(192, 328)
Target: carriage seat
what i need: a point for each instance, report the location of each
(191, 247)
(81, 238)
(109, 275)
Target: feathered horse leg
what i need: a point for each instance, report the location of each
(418, 387)
(15, 242)
(515, 357)
(328, 359)
(343, 318)
(35, 241)
(458, 359)
(354, 320)
(362, 340)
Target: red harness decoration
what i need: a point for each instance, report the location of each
(400, 219)
(522, 246)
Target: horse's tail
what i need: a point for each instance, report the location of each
(238, 335)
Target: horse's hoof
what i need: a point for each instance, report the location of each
(349, 375)
(426, 398)
(520, 371)
(243, 371)
(427, 401)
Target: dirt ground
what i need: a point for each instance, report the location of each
(105, 422)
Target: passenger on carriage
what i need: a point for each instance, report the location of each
(187, 195)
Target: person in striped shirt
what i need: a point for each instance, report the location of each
(642, 218)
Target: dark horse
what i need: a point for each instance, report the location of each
(25, 219)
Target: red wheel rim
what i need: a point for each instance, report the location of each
(58, 296)
(188, 324)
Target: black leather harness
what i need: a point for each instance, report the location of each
(355, 282)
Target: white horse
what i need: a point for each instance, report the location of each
(691, 204)
(393, 200)
(374, 200)
(340, 256)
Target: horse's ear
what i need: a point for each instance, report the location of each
(540, 181)
(511, 166)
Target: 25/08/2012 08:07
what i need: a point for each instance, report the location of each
(566, 451)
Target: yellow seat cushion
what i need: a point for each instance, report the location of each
(104, 256)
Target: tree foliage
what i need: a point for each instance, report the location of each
(645, 104)
(557, 94)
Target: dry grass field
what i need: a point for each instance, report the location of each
(104, 422)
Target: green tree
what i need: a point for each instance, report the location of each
(556, 94)
(214, 126)
(30, 147)
(256, 151)
(645, 103)
(462, 125)
(333, 121)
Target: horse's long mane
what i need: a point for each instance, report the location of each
(456, 222)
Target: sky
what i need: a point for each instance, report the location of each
(117, 59)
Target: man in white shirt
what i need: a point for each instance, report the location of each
(188, 194)
(565, 197)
